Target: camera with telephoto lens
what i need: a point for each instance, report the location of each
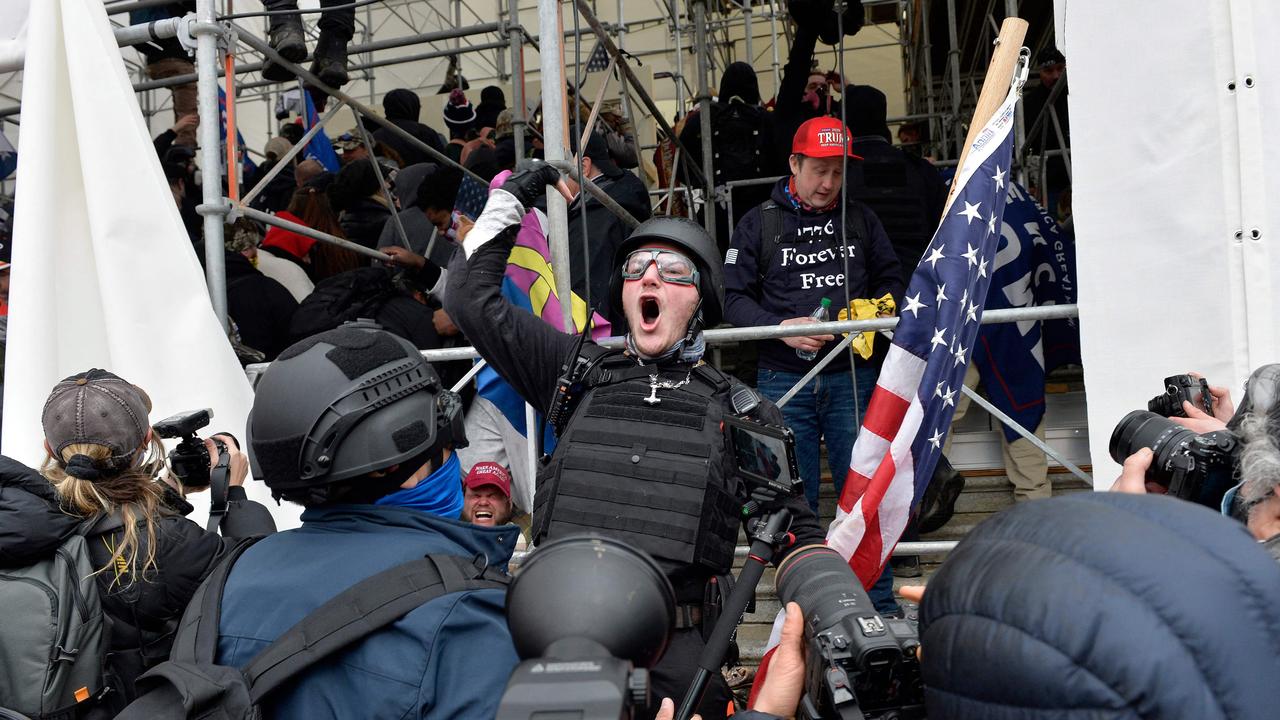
(190, 459)
(588, 616)
(1178, 388)
(1194, 467)
(859, 664)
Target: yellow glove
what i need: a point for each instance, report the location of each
(864, 309)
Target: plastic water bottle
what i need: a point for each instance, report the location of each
(819, 315)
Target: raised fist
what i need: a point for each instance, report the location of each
(529, 183)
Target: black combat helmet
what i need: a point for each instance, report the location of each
(343, 403)
(694, 240)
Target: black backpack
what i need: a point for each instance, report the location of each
(192, 685)
(738, 141)
(351, 295)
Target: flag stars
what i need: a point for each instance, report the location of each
(960, 351)
(972, 313)
(939, 338)
(937, 392)
(991, 224)
(936, 440)
(949, 398)
(971, 211)
(971, 255)
(942, 294)
(914, 306)
(935, 254)
(982, 267)
(998, 177)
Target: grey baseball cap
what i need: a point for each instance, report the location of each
(99, 408)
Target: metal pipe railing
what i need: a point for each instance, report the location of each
(568, 168)
(305, 231)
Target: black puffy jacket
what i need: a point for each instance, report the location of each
(144, 614)
(1102, 605)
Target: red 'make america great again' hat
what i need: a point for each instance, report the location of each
(822, 137)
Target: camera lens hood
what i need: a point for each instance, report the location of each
(596, 588)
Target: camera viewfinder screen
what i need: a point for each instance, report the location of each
(761, 455)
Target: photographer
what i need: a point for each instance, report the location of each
(1253, 500)
(106, 466)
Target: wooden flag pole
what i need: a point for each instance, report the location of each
(995, 86)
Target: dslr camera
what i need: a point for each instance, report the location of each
(1194, 467)
(1178, 388)
(190, 459)
(860, 664)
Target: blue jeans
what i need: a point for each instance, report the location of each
(822, 410)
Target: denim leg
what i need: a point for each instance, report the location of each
(801, 415)
(835, 415)
(882, 593)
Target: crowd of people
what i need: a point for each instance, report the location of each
(394, 459)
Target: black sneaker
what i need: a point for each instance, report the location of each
(907, 567)
(287, 38)
(330, 64)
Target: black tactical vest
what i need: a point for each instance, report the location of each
(652, 474)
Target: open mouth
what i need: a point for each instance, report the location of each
(483, 515)
(650, 310)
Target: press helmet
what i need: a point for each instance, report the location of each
(694, 240)
(343, 403)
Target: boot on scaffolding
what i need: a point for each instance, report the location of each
(287, 38)
(330, 63)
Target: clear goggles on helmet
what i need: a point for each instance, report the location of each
(673, 267)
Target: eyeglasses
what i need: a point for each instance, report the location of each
(672, 266)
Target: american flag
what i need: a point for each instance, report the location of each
(472, 195)
(921, 379)
(598, 60)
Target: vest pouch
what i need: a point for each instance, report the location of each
(547, 478)
(668, 504)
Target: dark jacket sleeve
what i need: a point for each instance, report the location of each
(742, 276)
(884, 271)
(795, 74)
(164, 141)
(31, 524)
(525, 351)
(804, 524)
(245, 517)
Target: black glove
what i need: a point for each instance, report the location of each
(528, 184)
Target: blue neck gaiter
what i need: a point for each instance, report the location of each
(440, 493)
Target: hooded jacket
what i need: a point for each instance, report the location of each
(449, 658)
(492, 102)
(143, 613)
(805, 267)
(402, 108)
(1103, 605)
(261, 307)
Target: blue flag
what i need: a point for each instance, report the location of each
(320, 148)
(1034, 266)
(247, 166)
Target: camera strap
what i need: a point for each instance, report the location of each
(219, 484)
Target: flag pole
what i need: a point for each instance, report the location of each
(995, 87)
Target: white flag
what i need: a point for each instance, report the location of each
(103, 273)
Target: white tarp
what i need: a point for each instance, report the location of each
(103, 273)
(1169, 102)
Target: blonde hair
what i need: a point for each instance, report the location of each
(133, 493)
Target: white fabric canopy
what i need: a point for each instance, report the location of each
(103, 273)
(1168, 105)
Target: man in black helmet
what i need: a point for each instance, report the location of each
(354, 425)
(640, 454)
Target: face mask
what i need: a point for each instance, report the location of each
(440, 493)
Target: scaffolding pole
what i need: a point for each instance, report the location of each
(701, 50)
(516, 36)
(277, 221)
(212, 209)
(551, 56)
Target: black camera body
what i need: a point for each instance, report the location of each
(859, 664)
(575, 676)
(190, 459)
(1199, 468)
(1178, 388)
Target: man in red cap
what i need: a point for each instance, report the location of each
(786, 256)
(486, 498)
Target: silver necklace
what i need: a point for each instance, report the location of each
(655, 384)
